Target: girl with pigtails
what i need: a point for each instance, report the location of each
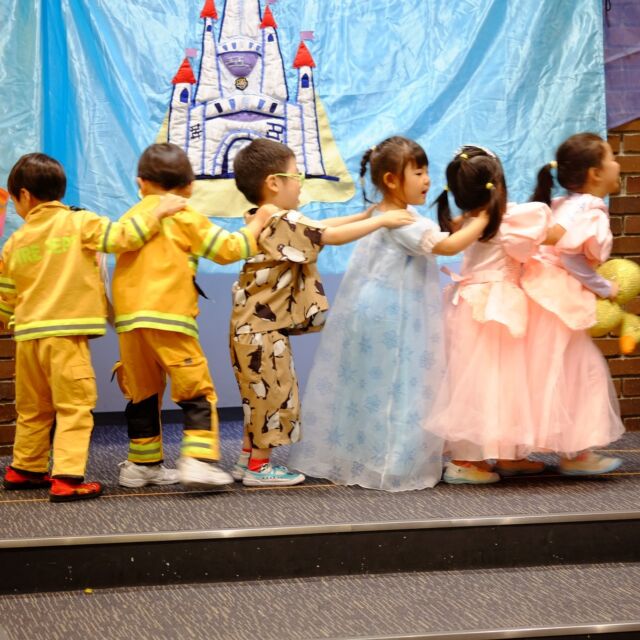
(575, 406)
(380, 359)
(483, 409)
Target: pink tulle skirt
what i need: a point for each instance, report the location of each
(483, 407)
(574, 401)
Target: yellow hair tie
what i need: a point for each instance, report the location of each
(553, 164)
(373, 148)
(464, 155)
(489, 185)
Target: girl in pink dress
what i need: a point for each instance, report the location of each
(574, 402)
(483, 408)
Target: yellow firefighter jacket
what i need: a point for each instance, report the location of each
(154, 287)
(50, 283)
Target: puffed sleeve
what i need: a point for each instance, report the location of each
(588, 232)
(419, 237)
(524, 227)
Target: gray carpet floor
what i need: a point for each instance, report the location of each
(339, 607)
(172, 508)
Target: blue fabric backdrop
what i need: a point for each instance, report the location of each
(89, 82)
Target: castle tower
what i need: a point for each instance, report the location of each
(306, 98)
(209, 86)
(241, 19)
(180, 104)
(273, 81)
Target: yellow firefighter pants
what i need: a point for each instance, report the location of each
(55, 384)
(148, 356)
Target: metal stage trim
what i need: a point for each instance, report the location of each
(563, 631)
(303, 530)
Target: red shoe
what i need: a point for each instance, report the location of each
(25, 480)
(68, 490)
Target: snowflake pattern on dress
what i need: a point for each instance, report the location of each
(382, 345)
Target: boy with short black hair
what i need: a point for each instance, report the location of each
(156, 304)
(52, 295)
(279, 293)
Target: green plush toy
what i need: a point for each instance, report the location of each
(611, 317)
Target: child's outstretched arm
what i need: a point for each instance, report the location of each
(580, 268)
(356, 230)
(461, 239)
(202, 238)
(99, 233)
(356, 217)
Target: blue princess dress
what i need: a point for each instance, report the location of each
(378, 367)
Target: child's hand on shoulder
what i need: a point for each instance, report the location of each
(169, 205)
(396, 218)
(368, 211)
(264, 212)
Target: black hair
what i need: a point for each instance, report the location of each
(260, 158)
(574, 157)
(391, 156)
(41, 175)
(166, 165)
(475, 178)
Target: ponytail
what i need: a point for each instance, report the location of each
(366, 159)
(494, 209)
(444, 211)
(544, 185)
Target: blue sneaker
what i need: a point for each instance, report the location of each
(270, 476)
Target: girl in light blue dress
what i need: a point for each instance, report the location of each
(380, 359)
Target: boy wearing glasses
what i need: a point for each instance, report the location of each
(279, 293)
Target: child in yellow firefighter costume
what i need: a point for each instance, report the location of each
(52, 295)
(156, 304)
(279, 293)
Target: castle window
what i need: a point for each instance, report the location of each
(184, 96)
(209, 28)
(218, 107)
(274, 106)
(270, 38)
(305, 81)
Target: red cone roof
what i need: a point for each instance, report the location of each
(303, 57)
(185, 73)
(268, 20)
(209, 10)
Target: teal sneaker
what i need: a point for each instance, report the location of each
(270, 476)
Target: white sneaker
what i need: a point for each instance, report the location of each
(240, 467)
(197, 473)
(140, 475)
(457, 474)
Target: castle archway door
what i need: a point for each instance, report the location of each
(229, 147)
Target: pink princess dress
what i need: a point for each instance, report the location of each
(573, 399)
(483, 407)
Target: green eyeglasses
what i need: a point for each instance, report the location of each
(295, 176)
